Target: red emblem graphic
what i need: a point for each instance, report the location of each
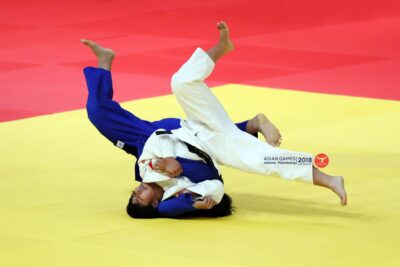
(321, 160)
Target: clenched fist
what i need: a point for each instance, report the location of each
(169, 166)
(207, 203)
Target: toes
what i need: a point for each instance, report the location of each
(278, 140)
(344, 200)
(272, 142)
(221, 25)
(88, 42)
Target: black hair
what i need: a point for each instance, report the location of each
(222, 209)
(144, 212)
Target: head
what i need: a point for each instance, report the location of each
(144, 200)
(135, 210)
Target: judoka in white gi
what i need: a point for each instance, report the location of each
(208, 134)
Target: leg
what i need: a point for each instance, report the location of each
(105, 56)
(232, 147)
(168, 123)
(224, 45)
(260, 122)
(193, 94)
(243, 152)
(200, 104)
(114, 122)
(335, 183)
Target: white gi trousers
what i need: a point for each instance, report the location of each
(209, 127)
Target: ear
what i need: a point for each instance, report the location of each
(154, 203)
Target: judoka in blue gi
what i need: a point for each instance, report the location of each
(178, 160)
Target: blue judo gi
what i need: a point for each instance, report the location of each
(118, 124)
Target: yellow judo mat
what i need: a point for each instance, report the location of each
(64, 188)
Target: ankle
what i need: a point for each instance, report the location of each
(253, 125)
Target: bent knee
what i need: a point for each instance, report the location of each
(179, 83)
(176, 83)
(94, 110)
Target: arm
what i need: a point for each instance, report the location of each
(157, 147)
(210, 192)
(183, 204)
(169, 166)
(205, 204)
(176, 206)
(197, 170)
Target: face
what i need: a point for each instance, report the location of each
(144, 195)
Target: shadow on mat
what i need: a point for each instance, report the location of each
(291, 207)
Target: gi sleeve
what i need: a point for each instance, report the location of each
(212, 188)
(176, 206)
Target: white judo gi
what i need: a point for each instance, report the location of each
(209, 128)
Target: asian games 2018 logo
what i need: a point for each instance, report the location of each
(321, 160)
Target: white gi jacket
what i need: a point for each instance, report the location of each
(168, 145)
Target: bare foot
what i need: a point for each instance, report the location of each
(269, 130)
(336, 184)
(224, 45)
(224, 37)
(104, 55)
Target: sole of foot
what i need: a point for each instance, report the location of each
(337, 186)
(100, 52)
(269, 130)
